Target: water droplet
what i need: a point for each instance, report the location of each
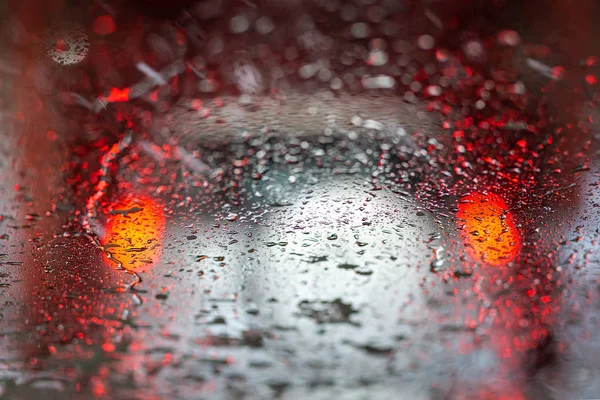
(426, 42)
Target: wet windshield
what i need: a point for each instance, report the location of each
(299, 199)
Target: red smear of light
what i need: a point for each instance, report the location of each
(489, 230)
(106, 162)
(104, 25)
(591, 79)
(134, 232)
(546, 299)
(180, 37)
(98, 388)
(558, 72)
(118, 95)
(108, 347)
(52, 135)
(196, 104)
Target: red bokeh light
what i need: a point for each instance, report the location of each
(104, 25)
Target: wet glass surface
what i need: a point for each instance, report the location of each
(299, 199)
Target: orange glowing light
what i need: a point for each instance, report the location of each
(118, 95)
(134, 232)
(488, 229)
